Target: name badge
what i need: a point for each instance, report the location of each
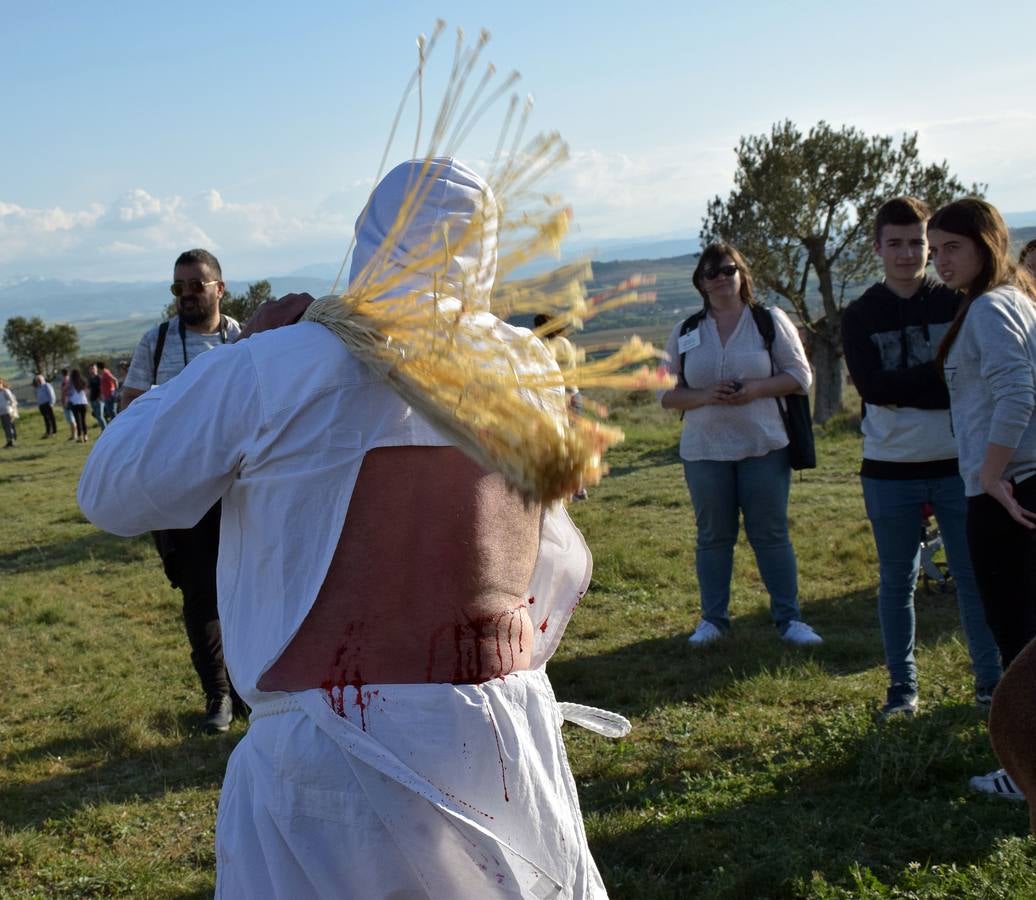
(688, 341)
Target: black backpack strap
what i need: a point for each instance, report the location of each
(689, 324)
(163, 330)
(764, 324)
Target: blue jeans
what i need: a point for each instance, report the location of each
(720, 491)
(894, 509)
(97, 408)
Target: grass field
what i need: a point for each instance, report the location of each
(753, 770)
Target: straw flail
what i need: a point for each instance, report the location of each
(427, 295)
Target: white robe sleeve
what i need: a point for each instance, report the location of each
(169, 457)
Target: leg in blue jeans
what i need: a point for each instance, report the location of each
(947, 497)
(894, 510)
(719, 491)
(763, 484)
(713, 488)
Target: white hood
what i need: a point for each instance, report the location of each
(449, 197)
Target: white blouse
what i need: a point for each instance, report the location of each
(728, 433)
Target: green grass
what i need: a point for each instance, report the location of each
(753, 770)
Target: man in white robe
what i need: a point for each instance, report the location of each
(387, 608)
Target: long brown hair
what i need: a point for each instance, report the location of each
(980, 222)
(711, 257)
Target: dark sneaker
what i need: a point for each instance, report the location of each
(900, 700)
(219, 713)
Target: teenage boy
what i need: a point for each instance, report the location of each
(890, 336)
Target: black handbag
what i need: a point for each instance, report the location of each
(798, 422)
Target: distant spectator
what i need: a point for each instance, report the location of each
(94, 394)
(1028, 257)
(109, 385)
(66, 405)
(8, 413)
(45, 400)
(78, 399)
(123, 371)
(565, 356)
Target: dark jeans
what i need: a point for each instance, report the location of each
(47, 411)
(10, 432)
(1003, 554)
(189, 558)
(79, 411)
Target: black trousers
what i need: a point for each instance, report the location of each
(1003, 554)
(47, 411)
(189, 558)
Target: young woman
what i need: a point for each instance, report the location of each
(79, 400)
(734, 443)
(989, 360)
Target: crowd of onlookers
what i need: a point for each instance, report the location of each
(80, 398)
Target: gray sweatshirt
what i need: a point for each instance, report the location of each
(991, 374)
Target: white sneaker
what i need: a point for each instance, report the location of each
(705, 633)
(997, 784)
(800, 634)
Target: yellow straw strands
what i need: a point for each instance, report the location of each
(427, 296)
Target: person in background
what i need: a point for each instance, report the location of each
(189, 554)
(734, 442)
(988, 358)
(96, 403)
(565, 356)
(1028, 257)
(109, 385)
(8, 413)
(78, 399)
(66, 405)
(890, 336)
(45, 400)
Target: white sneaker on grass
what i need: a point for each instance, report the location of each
(704, 634)
(800, 634)
(997, 784)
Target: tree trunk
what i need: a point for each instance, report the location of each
(829, 372)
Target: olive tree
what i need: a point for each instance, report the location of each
(802, 212)
(39, 347)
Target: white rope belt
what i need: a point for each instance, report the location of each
(600, 721)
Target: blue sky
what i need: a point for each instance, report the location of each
(134, 130)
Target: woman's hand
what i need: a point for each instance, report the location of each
(1002, 491)
(742, 392)
(693, 398)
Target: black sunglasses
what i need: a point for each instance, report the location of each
(709, 274)
(193, 286)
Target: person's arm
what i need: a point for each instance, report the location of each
(276, 313)
(140, 372)
(921, 387)
(166, 460)
(1005, 365)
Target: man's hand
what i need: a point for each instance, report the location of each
(275, 313)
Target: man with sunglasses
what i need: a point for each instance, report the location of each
(189, 554)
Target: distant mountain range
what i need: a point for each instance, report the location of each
(78, 301)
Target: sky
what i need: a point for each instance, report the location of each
(132, 131)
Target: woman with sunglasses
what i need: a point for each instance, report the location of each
(989, 360)
(734, 443)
